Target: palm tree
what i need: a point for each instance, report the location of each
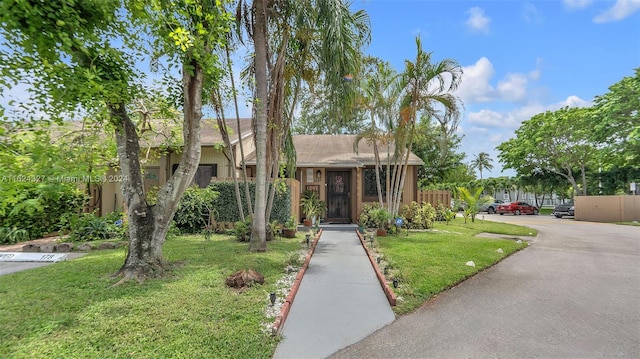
(287, 36)
(379, 96)
(428, 88)
(482, 161)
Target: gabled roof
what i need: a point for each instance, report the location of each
(336, 151)
(209, 133)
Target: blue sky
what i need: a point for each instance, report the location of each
(519, 58)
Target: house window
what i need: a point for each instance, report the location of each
(369, 186)
(204, 173)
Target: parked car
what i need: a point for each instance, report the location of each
(491, 207)
(517, 208)
(565, 209)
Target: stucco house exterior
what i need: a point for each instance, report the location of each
(328, 164)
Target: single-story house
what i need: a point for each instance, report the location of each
(343, 178)
(327, 164)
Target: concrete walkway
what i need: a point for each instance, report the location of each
(339, 302)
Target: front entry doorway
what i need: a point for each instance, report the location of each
(338, 197)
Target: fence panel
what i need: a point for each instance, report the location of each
(607, 208)
(434, 197)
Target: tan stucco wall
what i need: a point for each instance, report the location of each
(111, 195)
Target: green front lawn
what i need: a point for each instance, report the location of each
(71, 310)
(428, 263)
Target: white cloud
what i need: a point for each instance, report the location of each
(476, 84)
(511, 120)
(477, 21)
(574, 101)
(620, 10)
(531, 14)
(576, 4)
(513, 87)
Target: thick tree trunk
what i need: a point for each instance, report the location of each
(258, 241)
(148, 225)
(144, 258)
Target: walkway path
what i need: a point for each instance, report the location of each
(339, 302)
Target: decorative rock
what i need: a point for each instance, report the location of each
(470, 264)
(244, 278)
(107, 245)
(48, 247)
(85, 247)
(499, 250)
(519, 241)
(64, 247)
(31, 248)
(289, 269)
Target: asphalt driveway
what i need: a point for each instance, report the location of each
(574, 293)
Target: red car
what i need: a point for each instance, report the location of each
(517, 208)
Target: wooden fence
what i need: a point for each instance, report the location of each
(434, 197)
(607, 208)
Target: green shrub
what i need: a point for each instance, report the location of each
(226, 206)
(38, 208)
(195, 210)
(444, 213)
(419, 216)
(242, 230)
(366, 218)
(89, 227)
(11, 235)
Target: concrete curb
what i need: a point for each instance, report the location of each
(391, 296)
(286, 307)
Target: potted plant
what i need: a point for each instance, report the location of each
(312, 207)
(380, 217)
(290, 227)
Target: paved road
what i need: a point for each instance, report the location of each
(574, 293)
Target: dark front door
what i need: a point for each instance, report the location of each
(338, 194)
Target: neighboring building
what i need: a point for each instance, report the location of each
(512, 196)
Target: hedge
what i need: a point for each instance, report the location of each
(226, 208)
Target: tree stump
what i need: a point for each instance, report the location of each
(244, 278)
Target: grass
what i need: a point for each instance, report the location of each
(633, 223)
(71, 310)
(546, 211)
(428, 263)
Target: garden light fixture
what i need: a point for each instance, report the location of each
(272, 298)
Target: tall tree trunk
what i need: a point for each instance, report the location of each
(258, 241)
(148, 225)
(376, 155)
(583, 176)
(247, 193)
